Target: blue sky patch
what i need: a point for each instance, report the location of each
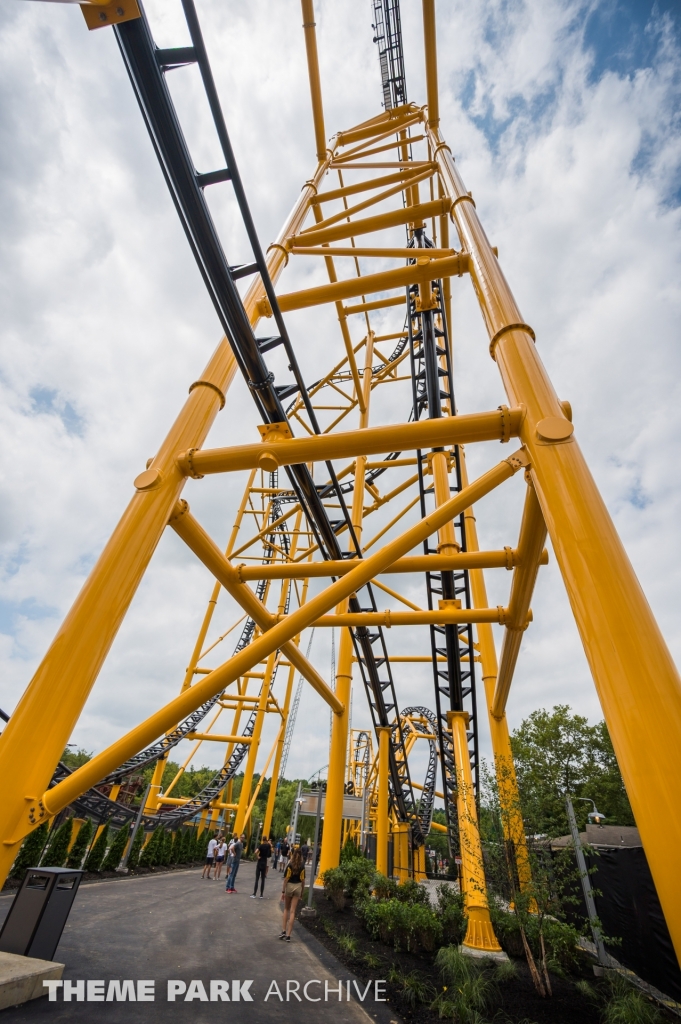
(48, 402)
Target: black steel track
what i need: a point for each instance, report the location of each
(147, 66)
(432, 385)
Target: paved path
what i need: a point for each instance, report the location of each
(178, 926)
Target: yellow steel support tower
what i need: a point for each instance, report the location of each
(388, 213)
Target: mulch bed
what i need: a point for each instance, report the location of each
(519, 1001)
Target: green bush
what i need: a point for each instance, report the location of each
(178, 843)
(31, 850)
(149, 855)
(58, 846)
(560, 941)
(359, 877)
(136, 849)
(350, 851)
(117, 849)
(98, 851)
(77, 852)
(450, 909)
(411, 892)
(334, 887)
(384, 888)
(409, 926)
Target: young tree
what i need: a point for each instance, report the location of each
(31, 850)
(134, 858)
(77, 852)
(117, 849)
(58, 846)
(556, 752)
(98, 851)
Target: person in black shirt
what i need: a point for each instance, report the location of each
(292, 892)
(283, 855)
(262, 866)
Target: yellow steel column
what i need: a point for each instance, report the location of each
(480, 933)
(152, 804)
(261, 709)
(636, 679)
(40, 727)
(315, 82)
(382, 808)
(333, 814)
(272, 795)
(55, 697)
(401, 850)
(509, 797)
(245, 795)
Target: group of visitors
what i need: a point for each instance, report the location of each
(290, 862)
(220, 851)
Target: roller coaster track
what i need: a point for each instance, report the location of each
(147, 66)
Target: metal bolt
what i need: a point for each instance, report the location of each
(120, 12)
(102, 16)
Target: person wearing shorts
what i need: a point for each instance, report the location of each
(220, 852)
(283, 855)
(210, 858)
(292, 892)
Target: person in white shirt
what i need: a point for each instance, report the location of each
(220, 851)
(210, 857)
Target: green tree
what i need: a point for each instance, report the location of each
(75, 857)
(58, 846)
(117, 849)
(149, 855)
(557, 751)
(177, 847)
(134, 858)
(75, 759)
(98, 851)
(31, 850)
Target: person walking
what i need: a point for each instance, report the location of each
(210, 857)
(262, 866)
(275, 855)
(284, 855)
(292, 891)
(220, 853)
(235, 850)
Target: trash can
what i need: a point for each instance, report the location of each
(39, 912)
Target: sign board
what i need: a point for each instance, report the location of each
(352, 805)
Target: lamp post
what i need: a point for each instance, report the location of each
(584, 876)
(122, 868)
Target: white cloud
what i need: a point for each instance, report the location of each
(574, 172)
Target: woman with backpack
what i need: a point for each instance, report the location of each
(292, 892)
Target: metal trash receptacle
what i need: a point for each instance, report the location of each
(39, 912)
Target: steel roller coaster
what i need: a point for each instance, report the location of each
(388, 191)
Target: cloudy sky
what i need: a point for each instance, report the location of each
(563, 117)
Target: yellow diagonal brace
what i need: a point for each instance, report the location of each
(176, 710)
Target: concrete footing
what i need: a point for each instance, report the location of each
(498, 957)
(22, 977)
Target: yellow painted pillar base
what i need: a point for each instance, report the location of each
(480, 933)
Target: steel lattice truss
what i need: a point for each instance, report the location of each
(359, 480)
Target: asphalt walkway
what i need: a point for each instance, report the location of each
(179, 927)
